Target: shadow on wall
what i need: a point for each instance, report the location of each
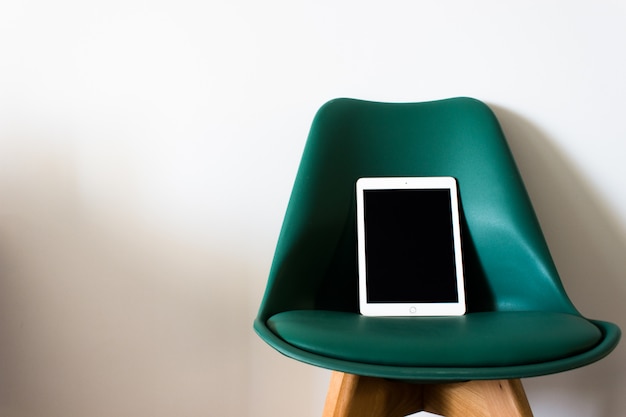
(588, 244)
(103, 316)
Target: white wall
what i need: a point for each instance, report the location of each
(132, 257)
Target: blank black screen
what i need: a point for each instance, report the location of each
(409, 246)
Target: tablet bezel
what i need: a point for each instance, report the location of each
(457, 308)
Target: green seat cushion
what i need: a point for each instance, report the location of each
(484, 339)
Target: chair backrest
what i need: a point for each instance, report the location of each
(507, 262)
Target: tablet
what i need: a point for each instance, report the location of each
(409, 247)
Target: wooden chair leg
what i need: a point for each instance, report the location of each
(358, 396)
(503, 398)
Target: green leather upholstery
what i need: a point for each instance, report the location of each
(520, 321)
(536, 337)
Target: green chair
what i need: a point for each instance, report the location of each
(520, 322)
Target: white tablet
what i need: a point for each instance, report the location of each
(409, 247)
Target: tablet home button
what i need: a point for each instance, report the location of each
(412, 310)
